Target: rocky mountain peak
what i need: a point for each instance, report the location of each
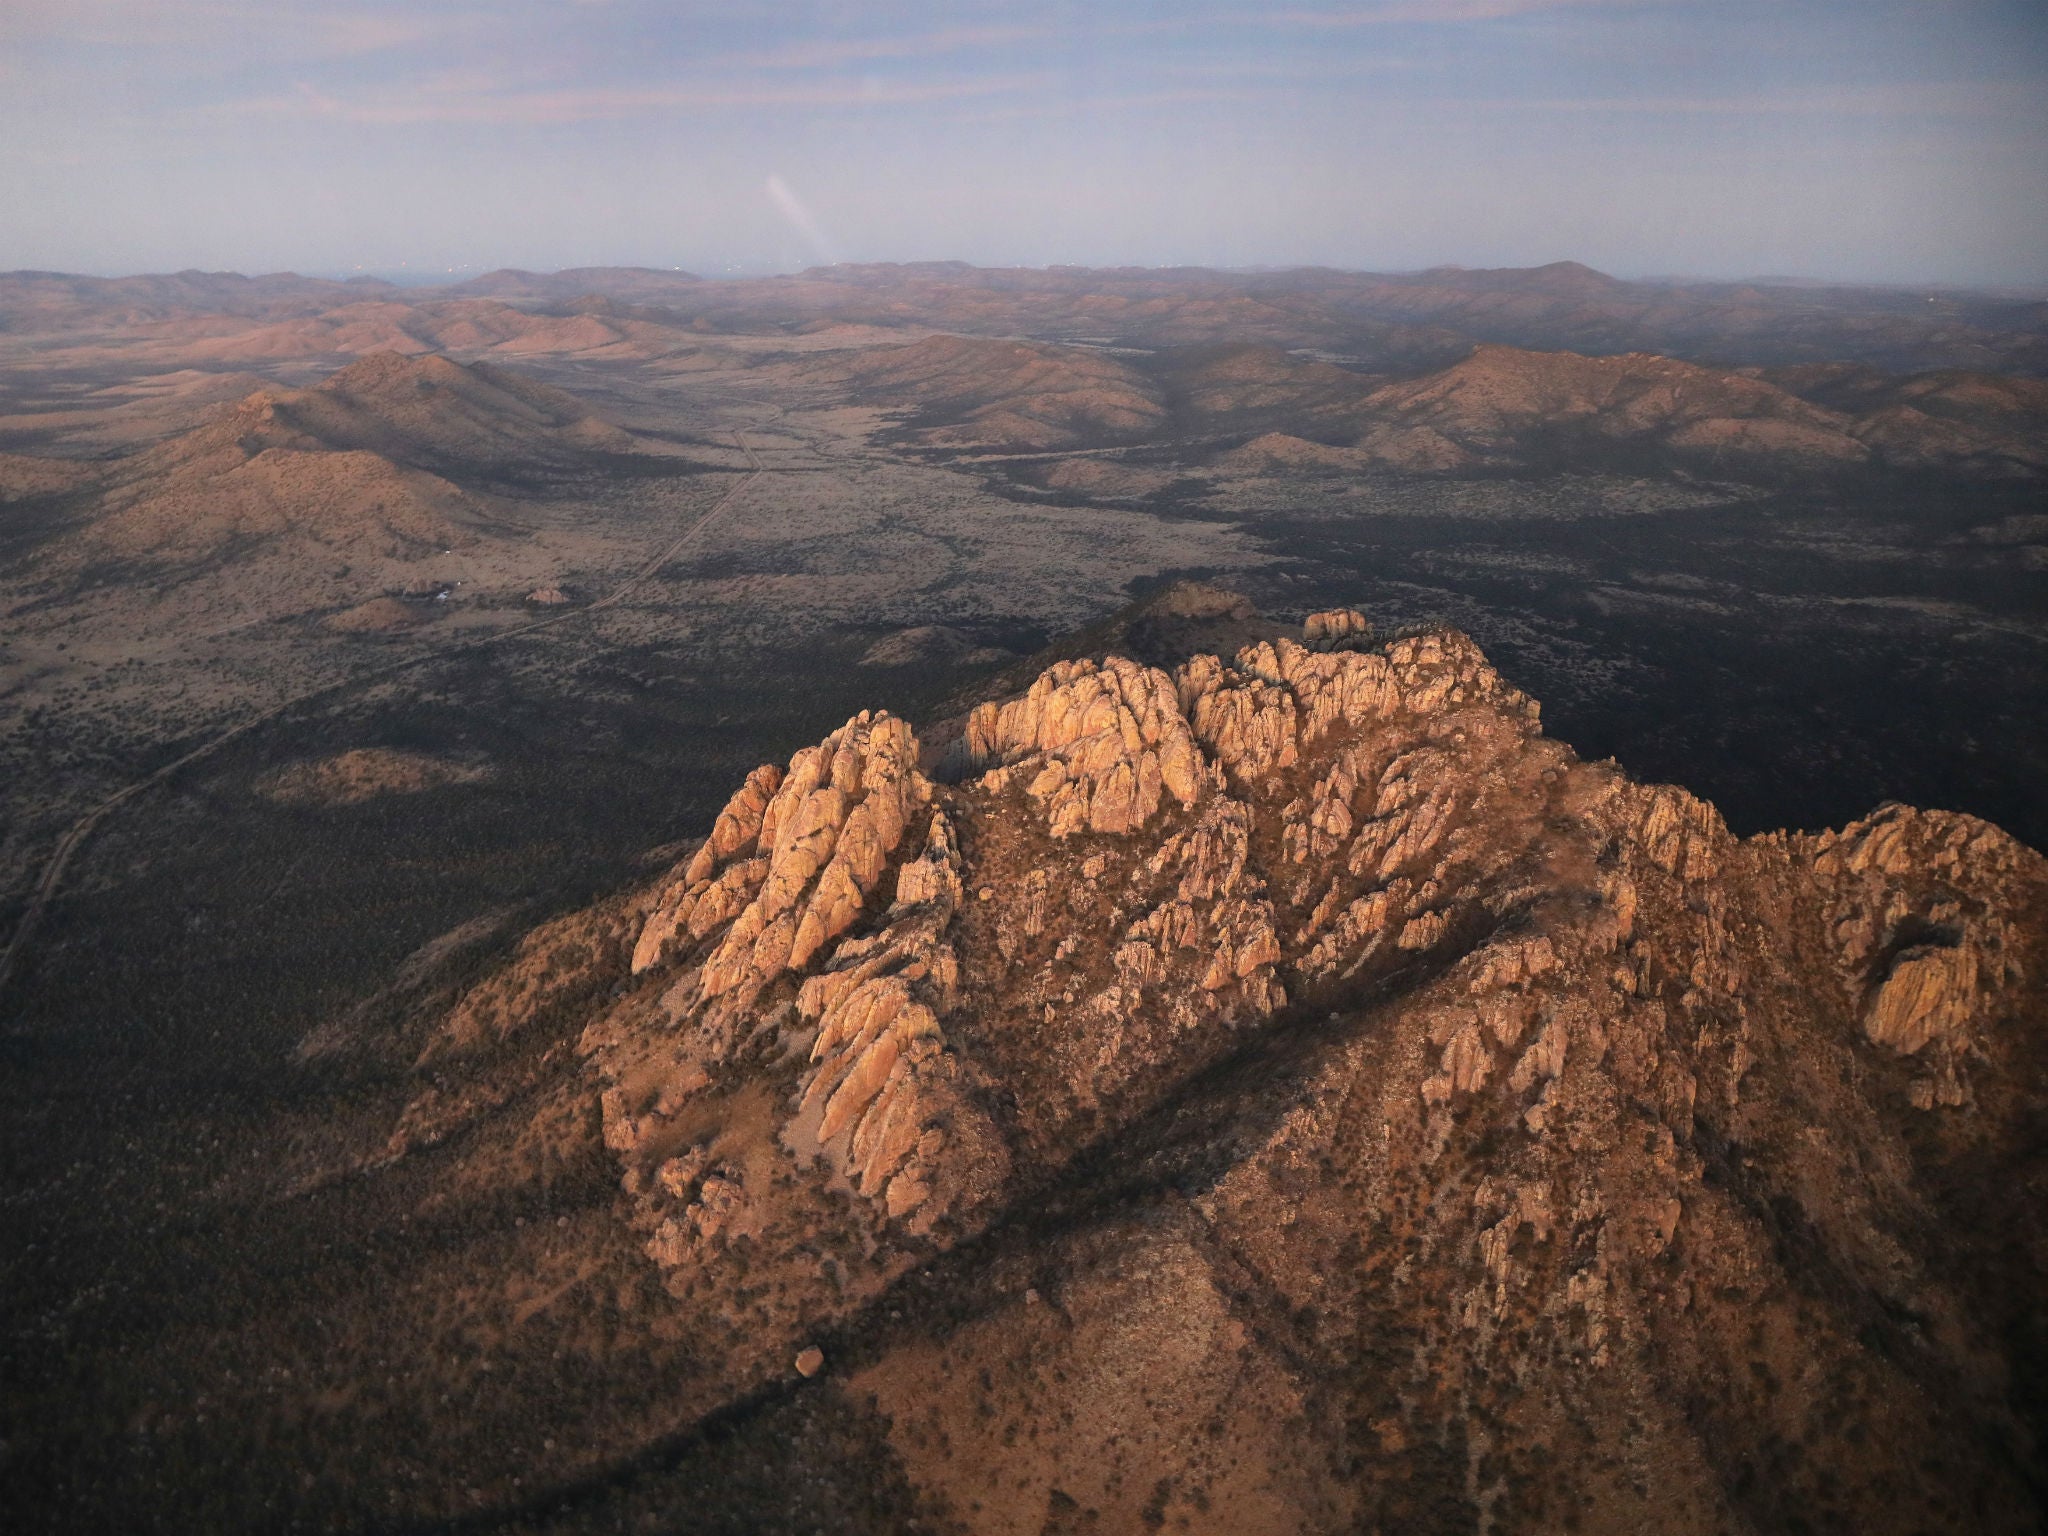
(1534, 1084)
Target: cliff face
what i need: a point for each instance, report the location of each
(1288, 1092)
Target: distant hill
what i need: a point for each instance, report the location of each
(1503, 405)
(472, 325)
(426, 412)
(1389, 321)
(32, 301)
(368, 459)
(1561, 306)
(1496, 408)
(1011, 394)
(1950, 418)
(633, 285)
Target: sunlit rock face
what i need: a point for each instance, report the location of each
(1450, 1094)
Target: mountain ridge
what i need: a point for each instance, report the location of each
(1450, 1095)
(1396, 317)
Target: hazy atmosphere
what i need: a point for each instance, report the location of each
(998, 769)
(1898, 140)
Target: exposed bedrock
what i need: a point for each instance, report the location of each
(1487, 1098)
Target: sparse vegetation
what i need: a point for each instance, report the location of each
(311, 1212)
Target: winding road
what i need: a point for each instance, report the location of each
(80, 830)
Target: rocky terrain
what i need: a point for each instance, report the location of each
(1280, 1090)
(1114, 1089)
(217, 491)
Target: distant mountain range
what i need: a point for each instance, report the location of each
(1386, 319)
(1496, 408)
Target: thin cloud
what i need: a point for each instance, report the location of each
(1444, 12)
(352, 33)
(833, 53)
(1324, 66)
(211, 27)
(1064, 106)
(601, 103)
(1920, 99)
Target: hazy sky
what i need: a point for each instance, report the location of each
(1880, 139)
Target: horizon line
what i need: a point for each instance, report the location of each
(433, 275)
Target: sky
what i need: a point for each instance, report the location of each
(1870, 140)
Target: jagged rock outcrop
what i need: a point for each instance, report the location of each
(1919, 949)
(1106, 741)
(792, 859)
(1336, 629)
(1536, 1153)
(763, 909)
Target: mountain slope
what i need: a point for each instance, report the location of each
(1975, 423)
(367, 461)
(429, 412)
(1503, 407)
(469, 326)
(629, 284)
(1239, 388)
(1506, 405)
(1285, 1093)
(55, 301)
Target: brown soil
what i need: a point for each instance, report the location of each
(364, 773)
